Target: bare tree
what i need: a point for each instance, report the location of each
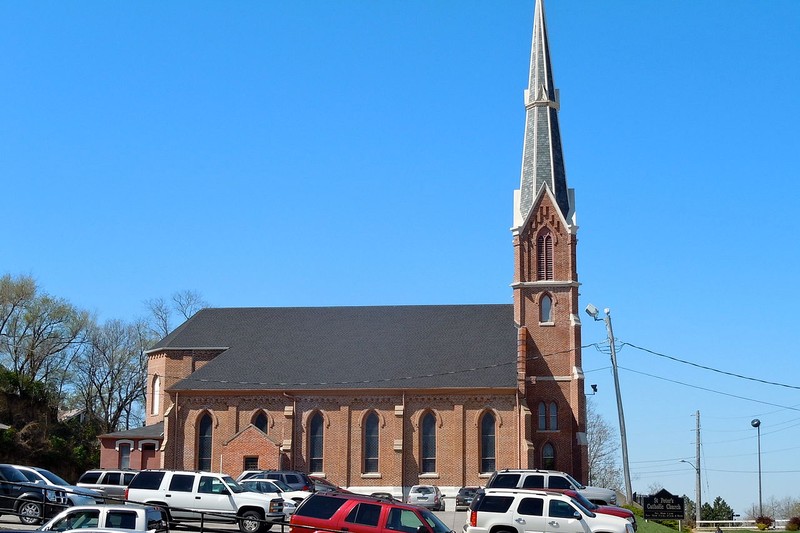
(603, 447)
(188, 302)
(185, 303)
(111, 378)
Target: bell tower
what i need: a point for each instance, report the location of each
(549, 373)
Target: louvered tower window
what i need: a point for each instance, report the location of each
(544, 250)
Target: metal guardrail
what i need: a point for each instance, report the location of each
(711, 525)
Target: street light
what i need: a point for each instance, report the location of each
(756, 423)
(593, 312)
(697, 486)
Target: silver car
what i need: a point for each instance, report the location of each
(428, 496)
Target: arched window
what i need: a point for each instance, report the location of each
(428, 444)
(204, 441)
(546, 309)
(156, 396)
(315, 442)
(371, 443)
(553, 416)
(488, 443)
(125, 455)
(548, 457)
(261, 421)
(542, 416)
(544, 255)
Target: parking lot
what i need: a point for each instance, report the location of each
(452, 518)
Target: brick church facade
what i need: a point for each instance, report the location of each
(386, 397)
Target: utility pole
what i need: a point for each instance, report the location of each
(697, 484)
(593, 312)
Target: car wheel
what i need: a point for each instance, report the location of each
(30, 513)
(251, 522)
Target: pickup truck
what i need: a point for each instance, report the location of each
(112, 518)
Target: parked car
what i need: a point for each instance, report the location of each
(549, 479)
(265, 486)
(214, 497)
(523, 510)
(428, 496)
(295, 479)
(323, 485)
(627, 514)
(335, 511)
(31, 503)
(464, 497)
(110, 484)
(75, 495)
(107, 518)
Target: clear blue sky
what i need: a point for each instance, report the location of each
(356, 153)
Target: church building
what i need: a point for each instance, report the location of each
(381, 398)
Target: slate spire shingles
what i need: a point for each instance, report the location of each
(542, 157)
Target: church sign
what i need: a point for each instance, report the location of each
(663, 506)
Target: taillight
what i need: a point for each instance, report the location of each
(473, 518)
(126, 493)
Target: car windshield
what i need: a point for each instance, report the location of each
(583, 509)
(52, 478)
(434, 521)
(281, 485)
(233, 485)
(575, 482)
(468, 492)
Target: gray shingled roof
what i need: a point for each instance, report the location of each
(146, 432)
(403, 347)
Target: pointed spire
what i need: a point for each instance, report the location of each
(542, 156)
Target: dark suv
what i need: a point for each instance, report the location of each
(293, 478)
(30, 503)
(354, 513)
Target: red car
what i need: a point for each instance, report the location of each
(627, 514)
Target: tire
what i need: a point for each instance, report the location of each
(30, 512)
(252, 522)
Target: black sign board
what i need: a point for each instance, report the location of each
(663, 506)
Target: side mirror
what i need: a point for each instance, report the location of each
(422, 529)
(578, 516)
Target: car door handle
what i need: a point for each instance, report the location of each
(519, 520)
(553, 523)
(197, 497)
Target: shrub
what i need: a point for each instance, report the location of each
(764, 522)
(793, 524)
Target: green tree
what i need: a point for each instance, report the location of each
(719, 510)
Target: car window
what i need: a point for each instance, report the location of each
(533, 482)
(156, 520)
(30, 475)
(366, 514)
(112, 478)
(531, 507)
(121, 519)
(561, 509)
(211, 485)
(146, 480)
(182, 482)
(77, 520)
(89, 477)
(128, 477)
(505, 481)
(558, 482)
(318, 506)
(403, 520)
(495, 504)
(435, 522)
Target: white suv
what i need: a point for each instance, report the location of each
(207, 496)
(549, 479)
(521, 511)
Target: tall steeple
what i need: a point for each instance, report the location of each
(545, 236)
(542, 156)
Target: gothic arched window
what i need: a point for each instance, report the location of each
(428, 444)
(371, 443)
(548, 457)
(204, 441)
(546, 308)
(544, 255)
(261, 421)
(542, 416)
(553, 416)
(156, 396)
(315, 442)
(488, 439)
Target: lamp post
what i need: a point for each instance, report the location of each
(593, 312)
(756, 423)
(697, 486)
